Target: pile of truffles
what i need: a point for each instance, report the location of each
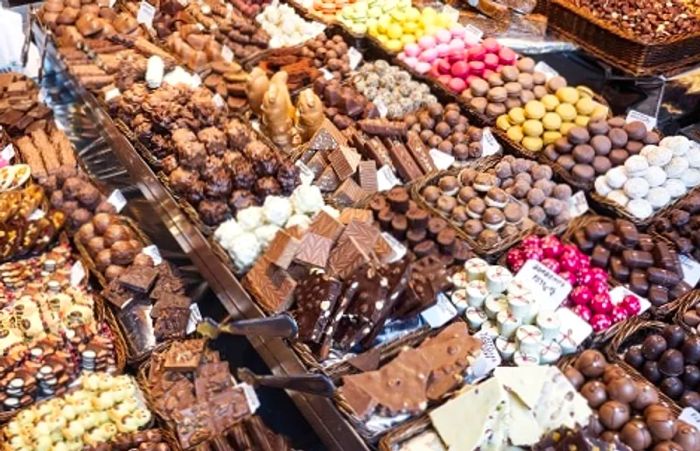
(669, 360)
(649, 267)
(626, 409)
(543, 121)
(473, 202)
(545, 202)
(285, 27)
(447, 130)
(77, 197)
(651, 180)
(391, 87)
(593, 149)
(229, 80)
(111, 244)
(343, 104)
(250, 8)
(681, 225)
(331, 53)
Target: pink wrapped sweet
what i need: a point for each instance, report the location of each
(427, 42)
(443, 36)
(412, 49)
(443, 66)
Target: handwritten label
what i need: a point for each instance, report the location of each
(218, 101)
(545, 284)
(489, 145)
(381, 107)
(227, 53)
(441, 159)
(327, 75)
(77, 273)
(691, 270)
(573, 326)
(354, 58)
(578, 204)
(546, 69)
(398, 250)
(305, 173)
(153, 252)
(250, 396)
(117, 200)
(146, 14)
(488, 359)
(690, 416)
(194, 319)
(112, 94)
(439, 314)
(386, 179)
(474, 33)
(618, 293)
(8, 153)
(648, 121)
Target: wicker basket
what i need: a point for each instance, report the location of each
(689, 302)
(620, 48)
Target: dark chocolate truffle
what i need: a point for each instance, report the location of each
(674, 335)
(691, 376)
(672, 387)
(653, 346)
(650, 370)
(671, 363)
(691, 350)
(634, 357)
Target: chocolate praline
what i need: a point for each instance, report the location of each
(650, 370)
(672, 387)
(591, 363)
(662, 424)
(594, 392)
(674, 335)
(653, 346)
(634, 357)
(646, 396)
(691, 350)
(612, 372)
(667, 446)
(671, 363)
(690, 399)
(622, 389)
(691, 376)
(687, 436)
(574, 376)
(636, 435)
(614, 414)
(431, 194)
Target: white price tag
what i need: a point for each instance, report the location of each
(691, 270)
(218, 101)
(578, 204)
(8, 153)
(327, 75)
(77, 273)
(354, 58)
(112, 94)
(112, 3)
(153, 252)
(451, 12)
(475, 33)
(381, 107)
(619, 293)
(648, 121)
(250, 396)
(489, 144)
(690, 416)
(398, 250)
(117, 200)
(546, 286)
(227, 53)
(194, 319)
(146, 14)
(439, 314)
(441, 159)
(36, 215)
(488, 359)
(546, 69)
(573, 325)
(305, 173)
(386, 179)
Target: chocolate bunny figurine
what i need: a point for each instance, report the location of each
(309, 114)
(280, 79)
(257, 86)
(276, 122)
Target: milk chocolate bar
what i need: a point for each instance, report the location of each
(384, 128)
(420, 152)
(403, 161)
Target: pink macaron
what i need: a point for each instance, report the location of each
(444, 79)
(476, 67)
(412, 49)
(442, 49)
(477, 53)
(507, 56)
(491, 45)
(426, 42)
(457, 31)
(443, 66)
(457, 85)
(491, 61)
(443, 36)
(410, 61)
(422, 67)
(460, 69)
(457, 45)
(428, 55)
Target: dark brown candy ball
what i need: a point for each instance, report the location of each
(622, 389)
(674, 335)
(591, 363)
(691, 350)
(653, 346)
(672, 387)
(671, 363)
(594, 392)
(690, 399)
(634, 357)
(650, 370)
(614, 414)
(691, 376)
(646, 396)
(636, 435)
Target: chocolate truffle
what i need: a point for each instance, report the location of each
(636, 435)
(690, 399)
(662, 424)
(687, 436)
(594, 392)
(574, 376)
(672, 387)
(691, 350)
(667, 446)
(614, 414)
(591, 363)
(691, 376)
(671, 363)
(653, 346)
(612, 372)
(650, 370)
(622, 389)
(634, 357)
(646, 396)
(674, 335)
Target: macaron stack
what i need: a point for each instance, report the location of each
(455, 58)
(328, 9)
(543, 121)
(648, 182)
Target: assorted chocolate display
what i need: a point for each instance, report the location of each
(681, 225)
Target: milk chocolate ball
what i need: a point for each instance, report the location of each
(646, 396)
(591, 363)
(634, 357)
(622, 389)
(687, 437)
(636, 435)
(671, 363)
(575, 377)
(653, 346)
(667, 446)
(674, 335)
(614, 414)
(672, 387)
(691, 350)
(612, 372)
(594, 392)
(662, 424)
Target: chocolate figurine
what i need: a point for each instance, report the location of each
(275, 118)
(257, 86)
(310, 117)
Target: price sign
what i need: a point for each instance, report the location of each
(117, 200)
(112, 94)
(77, 273)
(250, 396)
(473, 33)
(648, 121)
(691, 270)
(546, 69)
(398, 250)
(153, 252)
(227, 53)
(489, 145)
(146, 14)
(690, 416)
(439, 314)
(8, 153)
(546, 286)
(578, 204)
(194, 319)
(386, 179)
(489, 358)
(354, 58)
(441, 159)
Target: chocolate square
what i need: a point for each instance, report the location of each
(368, 176)
(326, 225)
(138, 278)
(316, 297)
(349, 193)
(344, 161)
(282, 249)
(314, 250)
(271, 286)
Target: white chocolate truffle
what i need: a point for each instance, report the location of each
(333, 212)
(302, 221)
(616, 177)
(647, 149)
(659, 156)
(227, 231)
(266, 233)
(245, 249)
(277, 210)
(307, 199)
(250, 218)
(636, 166)
(636, 188)
(658, 197)
(691, 178)
(601, 186)
(678, 144)
(693, 157)
(676, 188)
(640, 208)
(619, 197)
(676, 167)
(655, 176)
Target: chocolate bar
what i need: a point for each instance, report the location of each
(316, 298)
(349, 193)
(273, 287)
(344, 161)
(326, 225)
(314, 250)
(420, 152)
(139, 278)
(403, 161)
(346, 258)
(282, 249)
(368, 176)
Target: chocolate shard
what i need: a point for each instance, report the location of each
(316, 298)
